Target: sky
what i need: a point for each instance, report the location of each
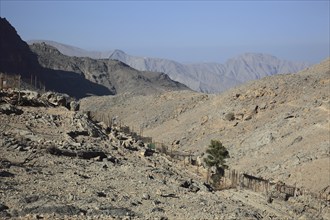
(185, 31)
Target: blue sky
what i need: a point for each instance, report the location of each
(186, 31)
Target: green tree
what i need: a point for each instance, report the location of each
(216, 156)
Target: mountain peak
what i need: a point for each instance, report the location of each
(118, 55)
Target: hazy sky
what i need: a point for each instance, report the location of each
(180, 30)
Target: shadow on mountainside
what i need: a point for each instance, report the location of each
(72, 84)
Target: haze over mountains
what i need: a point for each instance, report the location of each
(74, 51)
(201, 77)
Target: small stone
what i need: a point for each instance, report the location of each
(145, 196)
(3, 207)
(249, 117)
(269, 199)
(10, 109)
(156, 202)
(101, 194)
(74, 106)
(157, 209)
(148, 152)
(230, 116)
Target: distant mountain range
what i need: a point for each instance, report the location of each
(201, 77)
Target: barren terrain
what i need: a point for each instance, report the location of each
(59, 164)
(276, 127)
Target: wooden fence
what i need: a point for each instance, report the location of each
(235, 179)
(114, 121)
(8, 81)
(231, 178)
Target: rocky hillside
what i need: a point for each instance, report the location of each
(201, 77)
(57, 163)
(77, 77)
(276, 127)
(17, 58)
(214, 77)
(114, 75)
(15, 55)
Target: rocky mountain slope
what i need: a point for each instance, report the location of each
(201, 77)
(214, 77)
(17, 58)
(78, 77)
(114, 75)
(276, 127)
(60, 164)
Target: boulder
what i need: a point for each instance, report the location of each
(148, 152)
(191, 185)
(230, 116)
(74, 106)
(55, 99)
(3, 207)
(10, 109)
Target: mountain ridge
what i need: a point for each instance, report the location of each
(73, 51)
(208, 77)
(115, 75)
(16, 58)
(76, 76)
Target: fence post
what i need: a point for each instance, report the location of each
(141, 130)
(1, 80)
(208, 175)
(190, 157)
(19, 89)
